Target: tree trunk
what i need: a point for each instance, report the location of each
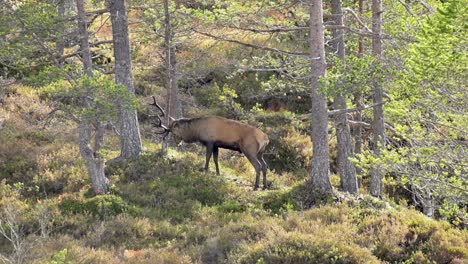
(357, 131)
(345, 144)
(84, 38)
(172, 98)
(378, 123)
(3, 39)
(60, 39)
(94, 161)
(321, 153)
(130, 138)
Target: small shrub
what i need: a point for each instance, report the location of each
(302, 248)
(232, 207)
(232, 237)
(101, 206)
(447, 246)
(291, 145)
(329, 214)
(279, 202)
(397, 236)
(122, 231)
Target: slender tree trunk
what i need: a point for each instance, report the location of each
(84, 38)
(2, 13)
(345, 144)
(376, 188)
(3, 43)
(321, 152)
(94, 161)
(172, 98)
(357, 131)
(130, 138)
(60, 39)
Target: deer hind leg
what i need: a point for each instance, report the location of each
(264, 169)
(209, 151)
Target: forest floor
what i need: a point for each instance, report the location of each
(162, 209)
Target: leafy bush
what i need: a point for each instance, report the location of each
(222, 100)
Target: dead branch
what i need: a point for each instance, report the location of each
(350, 110)
(350, 11)
(249, 44)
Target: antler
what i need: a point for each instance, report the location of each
(159, 107)
(166, 130)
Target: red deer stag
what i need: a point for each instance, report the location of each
(216, 132)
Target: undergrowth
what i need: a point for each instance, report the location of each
(163, 209)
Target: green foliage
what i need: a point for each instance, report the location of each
(91, 98)
(232, 207)
(356, 75)
(281, 203)
(30, 51)
(101, 206)
(60, 257)
(49, 74)
(221, 100)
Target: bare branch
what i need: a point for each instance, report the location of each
(58, 108)
(348, 10)
(350, 110)
(249, 44)
(407, 7)
(427, 6)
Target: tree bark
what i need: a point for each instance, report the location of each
(84, 38)
(378, 126)
(60, 38)
(321, 152)
(130, 138)
(94, 161)
(346, 168)
(357, 131)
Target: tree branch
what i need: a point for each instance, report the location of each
(249, 44)
(350, 110)
(348, 10)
